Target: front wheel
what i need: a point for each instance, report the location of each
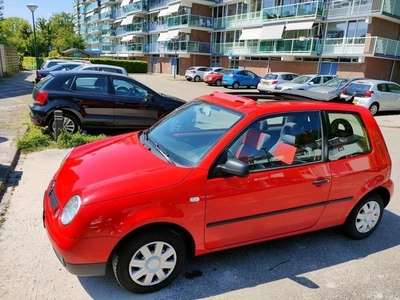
(235, 85)
(365, 217)
(150, 261)
(374, 108)
(218, 82)
(197, 78)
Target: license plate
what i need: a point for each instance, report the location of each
(265, 83)
(355, 102)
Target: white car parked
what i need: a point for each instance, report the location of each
(195, 73)
(304, 82)
(268, 82)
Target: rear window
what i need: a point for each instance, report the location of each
(45, 80)
(271, 76)
(357, 89)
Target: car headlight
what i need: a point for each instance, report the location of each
(71, 209)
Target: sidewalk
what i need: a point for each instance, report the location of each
(14, 99)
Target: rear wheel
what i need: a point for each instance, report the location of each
(374, 108)
(149, 261)
(235, 85)
(197, 78)
(218, 82)
(70, 124)
(365, 217)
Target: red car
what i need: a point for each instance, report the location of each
(214, 78)
(221, 171)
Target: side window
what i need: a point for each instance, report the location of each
(394, 88)
(280, 140)
(92, 84)
(326, 78)
(382, 87)
(316, 80)
(128, 88)
(347, 136)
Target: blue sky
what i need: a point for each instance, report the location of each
(17, 8)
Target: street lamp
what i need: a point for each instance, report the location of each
(32, 8)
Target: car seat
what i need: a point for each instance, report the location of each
(254, 141)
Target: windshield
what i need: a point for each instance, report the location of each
(186, 135)
(335, 82)
(301, 79)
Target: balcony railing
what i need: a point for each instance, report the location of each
(180, 47)
(312, 9)
(190, 21)
(367, 46)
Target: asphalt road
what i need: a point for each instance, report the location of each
(319, 265)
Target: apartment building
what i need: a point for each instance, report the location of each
(346, 37)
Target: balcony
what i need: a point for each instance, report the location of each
(189, 20)
(310, 10)
(370, 46)
(178, 47)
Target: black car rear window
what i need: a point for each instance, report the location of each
(358, 88)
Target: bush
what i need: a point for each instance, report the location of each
(38, 138)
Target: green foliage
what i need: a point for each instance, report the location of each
(131, 66)
(34, 139)
(67, 140)
(39, 138)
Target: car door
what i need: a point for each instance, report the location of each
(279, 195)
(134, 105)
(394, 90)
(91, 93)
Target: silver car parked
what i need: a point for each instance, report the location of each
(304, 82)
(268, 82)
(195, 73)
(376, 95)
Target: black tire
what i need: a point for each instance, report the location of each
(218, 82)
(70, 124)
(235, 85)
(365, 217)
(196, 78)
(140, 274)
(225, 86)
(374, 108)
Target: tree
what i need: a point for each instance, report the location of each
(15, 32)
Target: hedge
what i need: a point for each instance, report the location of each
(131, 66)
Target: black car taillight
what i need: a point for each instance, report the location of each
(41, 97)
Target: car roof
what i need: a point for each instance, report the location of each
(256, 103)
(102, 65)
(371, 81)
(74, 72)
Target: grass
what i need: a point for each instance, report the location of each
(39, 138)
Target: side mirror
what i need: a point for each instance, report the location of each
(235, 167)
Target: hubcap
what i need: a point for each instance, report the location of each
(152, 263)
(68, 125)
(368, 216)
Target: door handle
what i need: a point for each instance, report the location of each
(322, 181)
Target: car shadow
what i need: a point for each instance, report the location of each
(249, 266)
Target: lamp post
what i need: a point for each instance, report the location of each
(176, 58)
(32, 8)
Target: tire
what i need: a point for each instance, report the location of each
(365, 217)
(225, 86)
(374, 108)
(196, 78)
(70, 124)
(140, 269)
(235, 85)
(218, 82)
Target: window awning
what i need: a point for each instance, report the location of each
(299, 25)
(125, 2)
(174, 8)
(164, 12)
(127, 38)
(128, 20)
(89, 14)
(105, 9)
(163, 37)
(173, 34)
(273, 32)
(250, 34)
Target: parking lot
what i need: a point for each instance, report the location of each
(319, 265)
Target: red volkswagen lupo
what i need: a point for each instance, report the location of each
(219, 172)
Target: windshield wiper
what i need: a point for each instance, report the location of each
(162, 151)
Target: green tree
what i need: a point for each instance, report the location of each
(15, 32)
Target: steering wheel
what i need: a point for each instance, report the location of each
(122, 89)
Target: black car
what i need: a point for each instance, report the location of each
(40, 74)
(98, 100)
